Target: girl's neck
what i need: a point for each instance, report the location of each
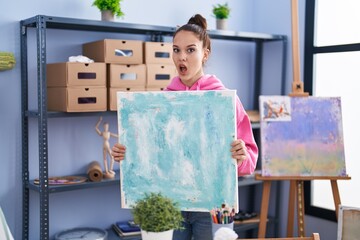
(192, 82)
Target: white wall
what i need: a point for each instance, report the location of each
(74, 142)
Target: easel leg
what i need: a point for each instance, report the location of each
(264, 208)
(336, 196)
(291, 211)
(300, 208)
(296, 195)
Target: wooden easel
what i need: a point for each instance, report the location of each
(296, 192)
(296, 196)
(297, 85)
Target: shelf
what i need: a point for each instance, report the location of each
(250, 224)
(35, 114)
(255, 125)
(247, 181)
(131, 28)
(242, 181)
(71, 187)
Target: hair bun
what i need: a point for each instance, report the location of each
(199, 20)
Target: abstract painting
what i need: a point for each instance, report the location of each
(301, 136)
(178, 143)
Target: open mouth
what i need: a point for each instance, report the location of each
(182, 69)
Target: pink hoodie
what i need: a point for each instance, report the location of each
(244, 130)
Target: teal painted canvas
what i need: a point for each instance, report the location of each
(178, 143)
(301, 136)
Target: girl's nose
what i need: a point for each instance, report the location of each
(183, 57)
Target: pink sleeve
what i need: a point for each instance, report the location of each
(244, 132)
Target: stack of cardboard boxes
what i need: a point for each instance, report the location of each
(159, 65)
(120, 65)
(76, 87)
(125, 68)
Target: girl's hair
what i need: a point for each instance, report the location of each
(198, 25)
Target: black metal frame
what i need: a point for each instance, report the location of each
(310, 51)
(41, 23)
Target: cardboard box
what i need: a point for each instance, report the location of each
(77, 99)
(75, 74)
(115, 51)
(158, 52)
(154, 89)
(112, 95)
(159, 75)
(126, 76)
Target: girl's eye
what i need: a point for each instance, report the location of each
(190, 50)
(175, 50)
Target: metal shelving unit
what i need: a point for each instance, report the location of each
(41, 23)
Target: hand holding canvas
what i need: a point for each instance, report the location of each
(239, 151)
(118, 152)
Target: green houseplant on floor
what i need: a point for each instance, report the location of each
(157, 214)
(109, 9)
(221, 13)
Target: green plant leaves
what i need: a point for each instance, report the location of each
(221, 11)
(112, 5)
(157, 213)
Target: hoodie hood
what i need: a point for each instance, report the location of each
(206, 82)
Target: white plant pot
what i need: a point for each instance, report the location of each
(221, 24)
(166, 235)
(107, 15)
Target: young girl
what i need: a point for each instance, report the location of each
(191, 49)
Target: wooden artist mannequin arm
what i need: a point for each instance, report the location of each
(97, 127)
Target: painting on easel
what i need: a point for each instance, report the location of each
(301, 136)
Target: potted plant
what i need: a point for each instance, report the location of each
(158, 216)
(109, 9)
(221, 13)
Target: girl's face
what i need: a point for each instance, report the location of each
(189, 56)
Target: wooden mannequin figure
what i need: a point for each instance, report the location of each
(109, 172)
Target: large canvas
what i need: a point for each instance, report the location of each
(178, 143)
(301, 136)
